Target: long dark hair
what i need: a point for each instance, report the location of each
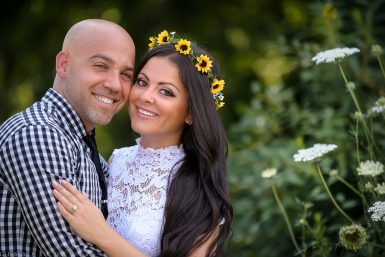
(198, 196)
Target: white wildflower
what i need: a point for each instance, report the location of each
(333, 173)
(379, 106)
(368, 186)
(370, 168)
(351, 85)
(269, 173)
(380, 189)
(378, 211)
(314, 152)
(334, 54)
(377, 50)
(358, 116)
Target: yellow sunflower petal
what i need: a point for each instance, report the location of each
(163, 38)
(217, 86)
(152, 42)
(183, 46)
(219, 105)
(204, 63)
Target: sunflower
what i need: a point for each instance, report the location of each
(217, 86)
(204, 63)
(163, 38)
(219, 105)
(152, 42)
(183, 46)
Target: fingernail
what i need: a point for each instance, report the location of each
(55, 183)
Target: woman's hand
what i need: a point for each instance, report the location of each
(83, 216)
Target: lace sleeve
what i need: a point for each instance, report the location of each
(114, 153)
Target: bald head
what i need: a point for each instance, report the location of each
(94, 28)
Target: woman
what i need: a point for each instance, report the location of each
(168, 194)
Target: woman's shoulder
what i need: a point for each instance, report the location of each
(122, 152)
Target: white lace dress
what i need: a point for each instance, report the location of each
(137, 188)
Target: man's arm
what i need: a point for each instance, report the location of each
(32, 159)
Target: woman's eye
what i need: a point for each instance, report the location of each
(167, 92)
(141, 82)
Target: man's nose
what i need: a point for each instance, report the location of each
(113, 82)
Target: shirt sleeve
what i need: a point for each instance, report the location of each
(33, 158)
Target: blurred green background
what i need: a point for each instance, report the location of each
(277, 100)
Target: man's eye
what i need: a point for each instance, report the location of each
(127, 75)
(100, 66)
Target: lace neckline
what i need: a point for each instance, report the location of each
(173, 149)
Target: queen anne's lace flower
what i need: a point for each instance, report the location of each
(370, 168)
(368, 186)
(269, 173)
(352, 237)
(377, 50)
(379, 106)
(378, 211)
(334, 54)
(314, 152)
(380, 189)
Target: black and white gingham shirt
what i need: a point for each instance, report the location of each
(40, 145)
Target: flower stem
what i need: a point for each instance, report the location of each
(284, 214)
(357, 143)
(349, 89)
(331, 196)
(343, 181)
(369, 139)
(381, 66)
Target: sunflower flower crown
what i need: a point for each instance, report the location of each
(202, 63)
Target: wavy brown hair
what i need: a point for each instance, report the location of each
(198, 196)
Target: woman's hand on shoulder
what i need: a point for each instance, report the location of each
(82, 215)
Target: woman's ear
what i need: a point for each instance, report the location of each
(188, 120)
(62, 60)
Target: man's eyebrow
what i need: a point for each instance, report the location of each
(109, 60)
(99, 56)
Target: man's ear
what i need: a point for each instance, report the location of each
(62, 60)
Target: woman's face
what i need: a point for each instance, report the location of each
(158, 104)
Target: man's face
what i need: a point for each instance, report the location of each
(99, 76)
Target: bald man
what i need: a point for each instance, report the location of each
(47, 141)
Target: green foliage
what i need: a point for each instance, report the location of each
(311, 105)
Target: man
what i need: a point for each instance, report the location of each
(45, 142)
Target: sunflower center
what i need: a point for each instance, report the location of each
(164, 39)
(215, 86)
(183, 47)
(203, 63)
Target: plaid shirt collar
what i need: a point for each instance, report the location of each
(65, 113)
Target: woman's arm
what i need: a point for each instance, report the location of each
(88, 222)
